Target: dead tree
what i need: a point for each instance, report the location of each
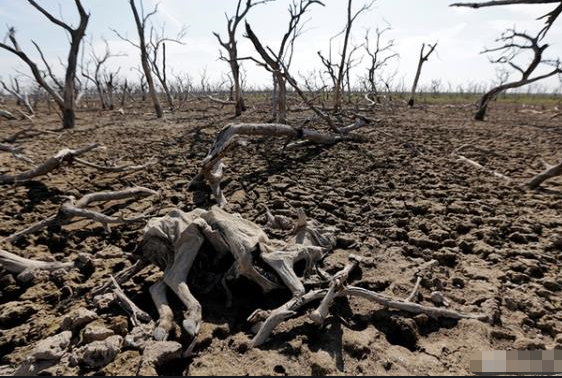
(22, 98)
(141, 22)
(66, 101)
(422, 60)
(278, 62)
(341, 67)
(513, 43)
(380, 55)
(550, 17)
(101, 79)
(231, 47)
(157, 45)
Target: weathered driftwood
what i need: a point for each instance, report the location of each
(173, 242)
(17, 264)
(49, 165)
(6, 114)
(117, 168)
(419, 276)
(464, 159)
(549, 172)
(227, 139)
(72, 209)
(135, 313)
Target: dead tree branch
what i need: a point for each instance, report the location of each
(513, 43)
(550, 16)
(73, 208)
(48, 166)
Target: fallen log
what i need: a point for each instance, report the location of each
(227, 139)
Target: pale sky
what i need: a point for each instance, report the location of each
(461, 33)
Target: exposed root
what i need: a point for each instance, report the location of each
(271, 319)
(72, 208)
(336, 286)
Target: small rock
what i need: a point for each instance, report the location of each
(438, 298)
(419, 239)
(103, 301)
(238, 197)
(518, 238)
(120, 325)
(97, 354)
(16, 312)
(528, 344)
(46, 354)
(517, 278)
(480, 247)
(52, 348)
(157, 353)
(552, 285)
(96, 332)
(446, 257)
(321, 364)
(78, 319)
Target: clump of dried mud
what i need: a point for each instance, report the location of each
(399, 199)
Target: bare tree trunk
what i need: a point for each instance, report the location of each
(423, 59)
(141, 24)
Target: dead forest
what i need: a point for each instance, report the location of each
(329, 225)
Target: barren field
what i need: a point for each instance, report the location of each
(398, 199)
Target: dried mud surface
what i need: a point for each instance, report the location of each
(399, 199)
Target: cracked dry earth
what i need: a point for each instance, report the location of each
(398, 200)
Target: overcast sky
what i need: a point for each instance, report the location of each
(461, 33)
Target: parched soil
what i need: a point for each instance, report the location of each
(398, 199)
